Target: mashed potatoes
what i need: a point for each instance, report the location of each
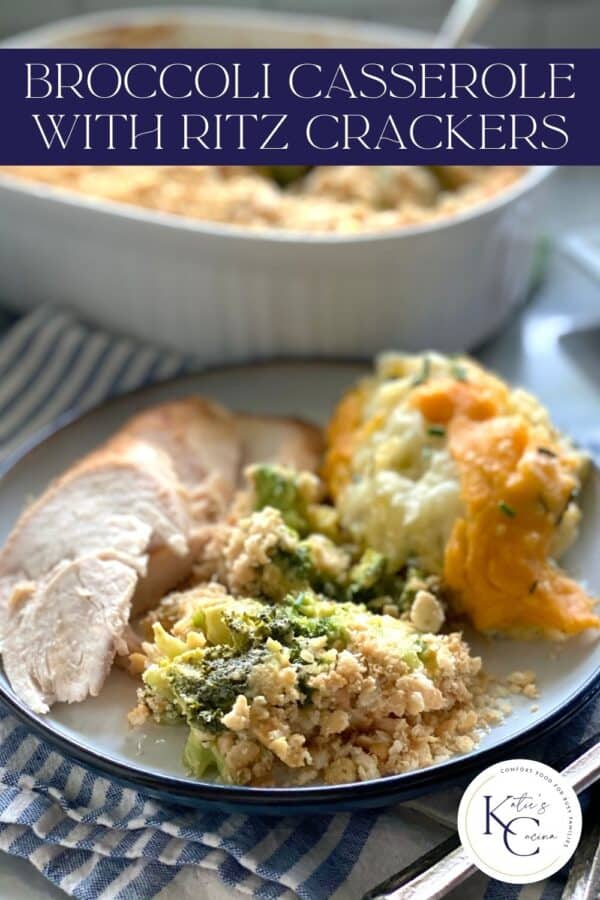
(437, 461)
(397, 488)
(404, 494)
(340, 199)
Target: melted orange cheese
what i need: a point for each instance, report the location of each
(343, 435)
(497, 562)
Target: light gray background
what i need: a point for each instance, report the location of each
(515, 23)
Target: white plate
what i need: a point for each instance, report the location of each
(96, 731)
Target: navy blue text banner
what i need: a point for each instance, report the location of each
(299, 107)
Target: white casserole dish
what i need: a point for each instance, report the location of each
(228, 293)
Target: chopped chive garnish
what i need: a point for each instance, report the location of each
(424, 374)
(507, 510)
(546, 452)
(532, 587)
(459, 372)
(436, 431)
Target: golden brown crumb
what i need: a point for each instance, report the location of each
(138, 715)
(427, 613)
(342, 199)
(137, 663)
(522, 683)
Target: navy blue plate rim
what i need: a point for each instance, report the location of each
(392, 788)
(388, 789)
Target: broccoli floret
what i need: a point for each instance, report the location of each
(296, 496)
(297, 566)
(299, 571)
(300, 616)
(206, 682)
(200, 755)
(283, 175)
(366, 575)
(313, 616)
(202, 684)
(279, 488)
(370, 583)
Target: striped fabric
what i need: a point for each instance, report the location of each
(95, 839)
(49, 365)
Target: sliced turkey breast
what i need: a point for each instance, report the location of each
(66, 628)
(202, 441)
(119, 530)
(289, 442)
(136, 507)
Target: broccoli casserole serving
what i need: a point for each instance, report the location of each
(335, 199)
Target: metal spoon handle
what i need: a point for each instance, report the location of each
(461, 23)
(584, 878)
(431, 876)
(584, 770)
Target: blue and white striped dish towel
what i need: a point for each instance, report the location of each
(95, 839)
